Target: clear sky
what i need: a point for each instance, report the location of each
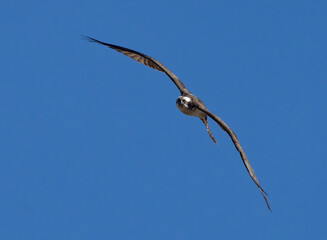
(92, 145)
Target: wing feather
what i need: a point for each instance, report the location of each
(239, 149)
(146, 60)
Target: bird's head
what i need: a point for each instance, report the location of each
(184, 102)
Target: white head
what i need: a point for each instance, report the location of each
(184, 100)
(185, 104)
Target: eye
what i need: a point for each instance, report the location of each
(191, 105)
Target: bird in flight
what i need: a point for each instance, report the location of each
(189, 104)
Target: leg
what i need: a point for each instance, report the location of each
(205, 121)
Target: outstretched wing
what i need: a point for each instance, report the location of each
(146, 60)
(239, 148)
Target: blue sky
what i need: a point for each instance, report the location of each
(93, 146)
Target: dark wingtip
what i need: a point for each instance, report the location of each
(268, 205)
(266, 199)
(84, 37)
(89, 39)
(263, 190)
(269, 208)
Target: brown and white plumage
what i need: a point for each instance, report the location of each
(189, 104)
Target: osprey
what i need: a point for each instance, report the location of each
(189, 104)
